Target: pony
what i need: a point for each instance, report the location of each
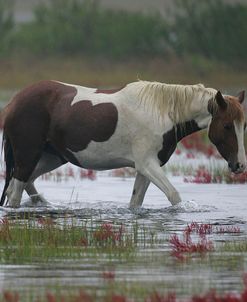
(139, 125)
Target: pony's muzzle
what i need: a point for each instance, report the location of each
(237, 168)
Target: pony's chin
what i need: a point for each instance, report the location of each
(236, 168)
(237, 171)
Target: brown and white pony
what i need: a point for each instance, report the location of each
(50, 123)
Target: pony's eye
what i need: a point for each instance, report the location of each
(228, 126)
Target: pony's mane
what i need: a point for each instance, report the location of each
(175, 100)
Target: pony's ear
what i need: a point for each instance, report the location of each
(240, 96)
(220, 100)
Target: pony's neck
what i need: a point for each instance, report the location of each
(203, 117)
(185, 129)
(198, 109)
(198, 119)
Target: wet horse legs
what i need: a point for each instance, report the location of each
(14, 192)
(47, 163)
(157, 176)
(140, 187)
(34, 194)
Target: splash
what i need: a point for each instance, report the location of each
(190, 206)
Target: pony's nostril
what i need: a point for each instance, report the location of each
(238, 167)
(241, 166)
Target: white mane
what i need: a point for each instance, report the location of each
(175, 100)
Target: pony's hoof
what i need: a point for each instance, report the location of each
(175, 198)
(13, 204)
(38, 199)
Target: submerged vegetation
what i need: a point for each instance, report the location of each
(47, 241)
(83, 296)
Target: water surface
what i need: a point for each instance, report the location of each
(106, 200)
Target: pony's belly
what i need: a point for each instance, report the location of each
(104, 164)
(101, 161)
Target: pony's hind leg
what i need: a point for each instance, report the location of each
(20, 162)
(27, 150)
(48, 162)
(14, 192)
(23, 168)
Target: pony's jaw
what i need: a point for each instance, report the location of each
(233, 152)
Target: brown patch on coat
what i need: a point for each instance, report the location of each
(42, 113)
(82, 123)
(109, 91)
(27, 121)
(172, 137)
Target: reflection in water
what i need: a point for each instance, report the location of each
(151, 266)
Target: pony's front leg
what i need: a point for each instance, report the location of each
(156, 175)
(14, 192)
(140, 187)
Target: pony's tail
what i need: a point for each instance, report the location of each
(9, 162)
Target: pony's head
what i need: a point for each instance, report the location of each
(226, 129)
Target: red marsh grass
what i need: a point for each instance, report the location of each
(184, 246)
(207, 175)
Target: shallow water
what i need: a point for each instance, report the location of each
(106, 199)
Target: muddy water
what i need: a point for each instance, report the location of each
(106, 199)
